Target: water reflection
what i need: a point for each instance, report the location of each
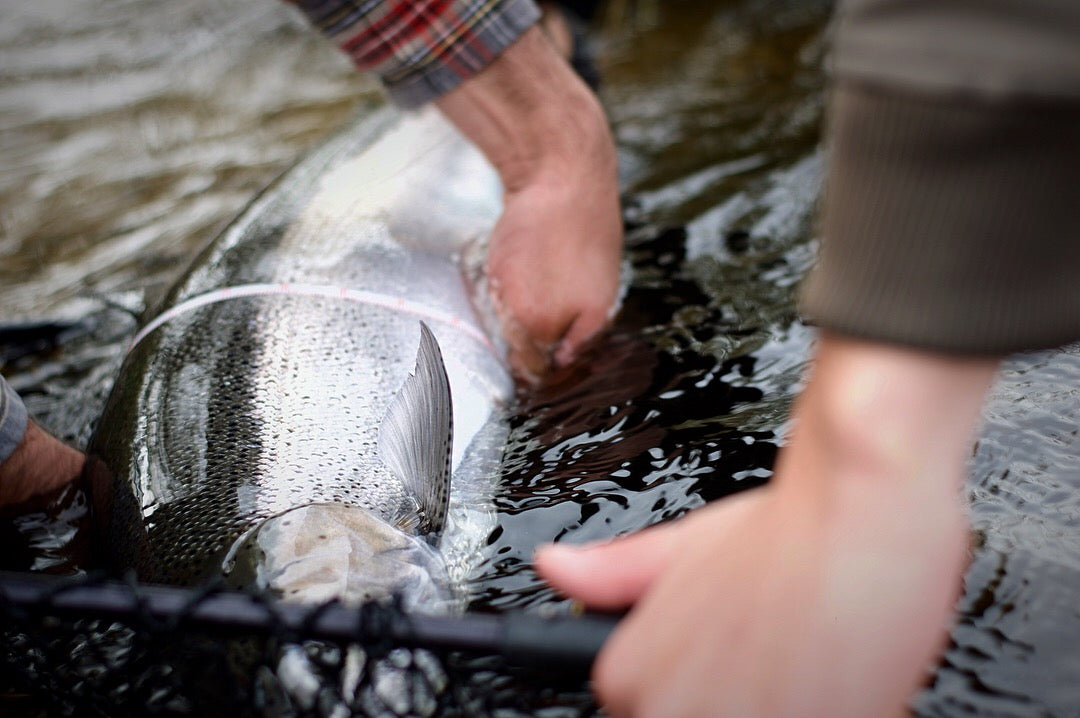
(132, 132)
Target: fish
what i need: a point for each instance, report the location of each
(319, 406)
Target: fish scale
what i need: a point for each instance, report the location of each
(275, 454)
(238, 407)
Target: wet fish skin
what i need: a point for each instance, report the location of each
(245, 409)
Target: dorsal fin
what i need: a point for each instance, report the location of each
(416, 435)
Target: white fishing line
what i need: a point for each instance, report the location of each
(359, 296)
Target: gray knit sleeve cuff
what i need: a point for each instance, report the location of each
(13, 420)
(950, 223)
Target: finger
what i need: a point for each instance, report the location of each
(609, 576)
(585, 326)
(528, 361)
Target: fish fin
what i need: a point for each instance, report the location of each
(409, 520)
(416, 435)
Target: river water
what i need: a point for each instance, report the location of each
(132, 131)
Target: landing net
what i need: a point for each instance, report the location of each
(94, 647)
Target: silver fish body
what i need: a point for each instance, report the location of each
(243, 434)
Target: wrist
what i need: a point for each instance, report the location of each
(868, 494)
(532, 117)
(873, 410)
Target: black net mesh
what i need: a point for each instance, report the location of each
(95, 647)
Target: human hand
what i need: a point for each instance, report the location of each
(738, 611)
(553, 270)
(554, 255)
(826, 593)
(41, 463)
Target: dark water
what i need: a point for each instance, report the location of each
(131, 132)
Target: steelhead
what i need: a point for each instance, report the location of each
(317, 409)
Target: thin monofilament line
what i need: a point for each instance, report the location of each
(360, 296)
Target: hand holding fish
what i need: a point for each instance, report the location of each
(553, 265)
(824, 594)
(553, 261)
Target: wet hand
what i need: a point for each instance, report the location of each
(554, 255)
(682, 648)
(828, 592)
(748, 607)
(553, 269)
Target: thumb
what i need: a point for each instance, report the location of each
(610, 575)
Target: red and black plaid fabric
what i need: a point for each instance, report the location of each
(421, 48)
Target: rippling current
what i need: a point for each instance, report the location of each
(131, 132)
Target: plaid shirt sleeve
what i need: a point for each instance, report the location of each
(421, 49)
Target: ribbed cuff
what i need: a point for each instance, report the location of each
(13, 420)
(950, 223)
(440, 71)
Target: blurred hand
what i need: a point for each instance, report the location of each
(554, 256)
(826, 593)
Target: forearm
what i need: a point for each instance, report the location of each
(532, 117)
(877, 457)
(31, 461)
(39, 464)
(886, 417)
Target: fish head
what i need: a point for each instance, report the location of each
(322, 552)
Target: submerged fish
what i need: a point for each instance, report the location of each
(286, 420)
